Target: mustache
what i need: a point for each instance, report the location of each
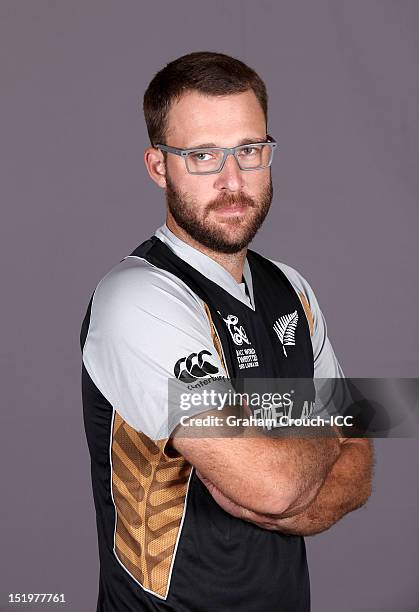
(229, 199)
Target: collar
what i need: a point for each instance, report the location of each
(208, 267)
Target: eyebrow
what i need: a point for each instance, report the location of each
(212, 145)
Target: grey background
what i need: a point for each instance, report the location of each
(343, 84)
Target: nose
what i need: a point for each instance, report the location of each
(230, 177)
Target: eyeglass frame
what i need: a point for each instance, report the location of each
(226, 151)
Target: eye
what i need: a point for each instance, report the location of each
(201, 156)
(249, 151)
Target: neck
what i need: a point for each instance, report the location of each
(232, 262)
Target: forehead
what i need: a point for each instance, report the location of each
(196, 118)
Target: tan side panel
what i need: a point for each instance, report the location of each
(214, 336)
(307, 310)
(149, 490)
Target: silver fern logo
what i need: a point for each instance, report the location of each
(285, 328)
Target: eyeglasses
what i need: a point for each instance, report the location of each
(253, 156)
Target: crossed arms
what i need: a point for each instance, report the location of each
(298, 486)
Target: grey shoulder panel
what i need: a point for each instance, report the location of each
(144, 324)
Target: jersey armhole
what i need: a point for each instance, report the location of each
(307, 311)
(167, 449)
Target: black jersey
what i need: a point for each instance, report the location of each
(164, 543)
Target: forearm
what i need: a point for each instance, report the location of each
(347, 487)
(305, 464)
(260, 473)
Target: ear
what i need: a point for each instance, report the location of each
(156, 168)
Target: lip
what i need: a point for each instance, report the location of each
(232, 209)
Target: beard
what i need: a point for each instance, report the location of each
(230, 236)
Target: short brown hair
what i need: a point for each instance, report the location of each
(204, 71)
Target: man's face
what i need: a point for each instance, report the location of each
(220, 211)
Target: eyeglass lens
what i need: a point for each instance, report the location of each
(249, 157)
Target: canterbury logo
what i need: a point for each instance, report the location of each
(285, 328)
(197, 365)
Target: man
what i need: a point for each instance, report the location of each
(190, 522)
